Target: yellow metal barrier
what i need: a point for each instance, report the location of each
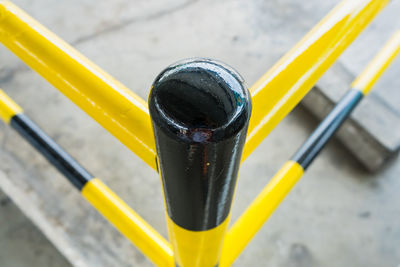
(280, 185)
(287, 82)
(259, 211)
(8, 108)
(378, 65)
(114, 209)
(129, 223)
(110, 103)
(126, 116)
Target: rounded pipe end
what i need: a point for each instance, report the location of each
(199, 100)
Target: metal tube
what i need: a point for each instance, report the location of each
(113, 208)
(327, 128)
(280, 185)
(8, 108)
(125, 115)
(378, 65)
(361, 86)
(110, 103)
(57, 156)
(262, 207)
(276, 93)
(129, 223)
(200, 111)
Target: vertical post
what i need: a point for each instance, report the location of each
(200, 110)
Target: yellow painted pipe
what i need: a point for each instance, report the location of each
(259, 211)
(276, 93)
(8, 108)
(114, 209)
(110, 103)
(378, 65)
(129, 223)
(197, 248)
(71, 73)
(280, 185)
(125, 114)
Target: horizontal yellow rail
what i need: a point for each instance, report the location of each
(288, 81)
(110, 103)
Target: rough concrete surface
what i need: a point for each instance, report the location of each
(338, 215)
(372, 133)
(21, 243)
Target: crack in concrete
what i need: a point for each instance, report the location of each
(131, 21)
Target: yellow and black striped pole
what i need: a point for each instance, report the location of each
(200, 111)
(280, 185)
(127, 221)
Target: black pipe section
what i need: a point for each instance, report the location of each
(327, 128)
(60, 159)
(200, 110)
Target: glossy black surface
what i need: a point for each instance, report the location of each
(200, 111)
(64, 163)
(327, 128)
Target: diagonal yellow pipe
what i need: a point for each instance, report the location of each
(125, 115)
(107, 203)
(110, 103)
(129, 223)
(262, 207)
(378, 65)
(258, 212)
(8, 108)
(276, 93)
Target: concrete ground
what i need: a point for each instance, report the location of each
(338, 214)
(21, 243)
